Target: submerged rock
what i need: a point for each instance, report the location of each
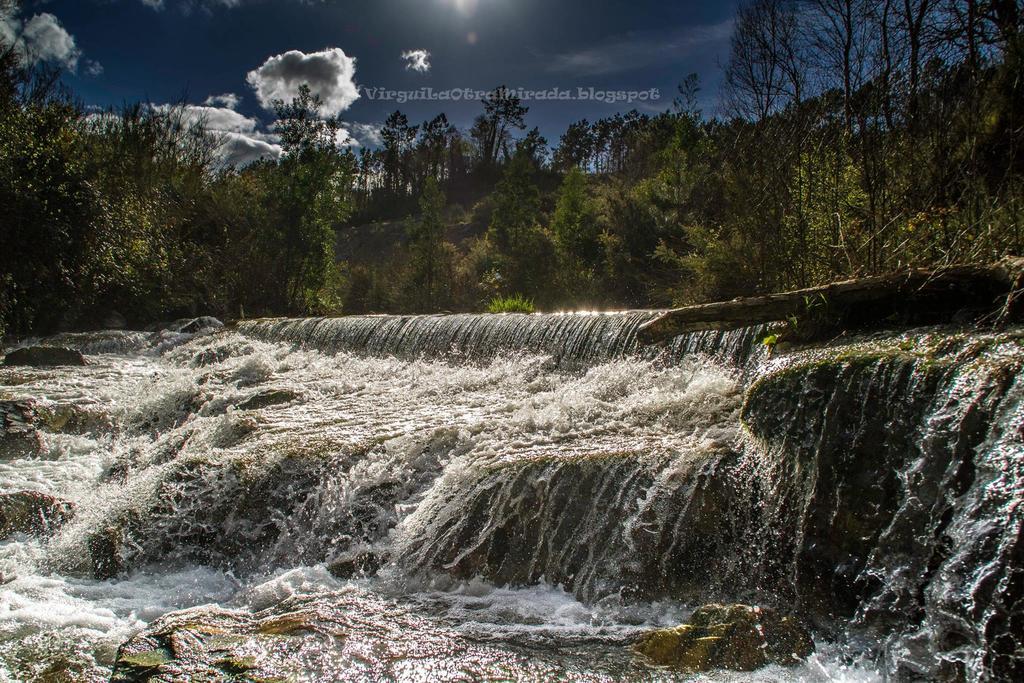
(31, 512)
(43, 356)
(222, 512)
(265, 399)
(347, 634)
(648, 524)
(737, 637)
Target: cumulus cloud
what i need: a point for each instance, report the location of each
(221, 119)
(40, 39)
(417, 60)
(240, 150)
(229, 100)
(329, 73)
(642, 49)
(93, 68)
(242, 139)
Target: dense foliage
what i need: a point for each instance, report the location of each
(856, 137)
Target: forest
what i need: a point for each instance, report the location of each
(853, 137)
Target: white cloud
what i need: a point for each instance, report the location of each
(40, 39)
(242, 138)
(229, 100)
(417, 60)
(641, 49)
(364, 134)
(93, 68)
(222, 119)
(154, 4)
(329, 73)
(240, 150)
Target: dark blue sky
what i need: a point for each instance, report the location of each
(199, 48)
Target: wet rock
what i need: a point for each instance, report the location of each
(356, 563)
(31, 512)
(20, 422)
(345, 634)
(646, 524)
(737, 637)
(265, 399)
(18, 435)
(44, 356)
(224, 512)
(199, 324)
(199, 644)
(68, 418)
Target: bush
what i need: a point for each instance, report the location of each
(516, 303)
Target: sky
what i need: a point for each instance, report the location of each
(229, 59)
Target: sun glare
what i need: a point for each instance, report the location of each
(466, 7)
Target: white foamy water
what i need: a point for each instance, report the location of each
(243, 507)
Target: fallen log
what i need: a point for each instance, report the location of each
(916, 296)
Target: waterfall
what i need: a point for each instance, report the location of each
(532, 481)
(569, 339)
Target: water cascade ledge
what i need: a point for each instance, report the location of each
(870, 488)
(571, 340)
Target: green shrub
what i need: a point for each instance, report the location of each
(516, 303)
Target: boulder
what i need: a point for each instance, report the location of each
(205, 322)
(44, 356)
(736, 637)
(31, 512)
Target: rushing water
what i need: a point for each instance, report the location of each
(519, 497)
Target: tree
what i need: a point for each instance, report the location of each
(575, 148)
(764, 71)
(397, 138)
(503, 112)
(516, 231)
(427, 250)
(308, 194)
(575, 222)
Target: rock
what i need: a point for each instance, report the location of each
(43, 356)
(69, 418)
(356, 563)
(31, 512)
(201, 323)
(737, 637)
(22, 420)
(267, 398)
(560, 518)
(18, 435)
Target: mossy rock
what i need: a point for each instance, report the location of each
(736, 637)
(145, 659)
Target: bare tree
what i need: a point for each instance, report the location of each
(764, 73)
